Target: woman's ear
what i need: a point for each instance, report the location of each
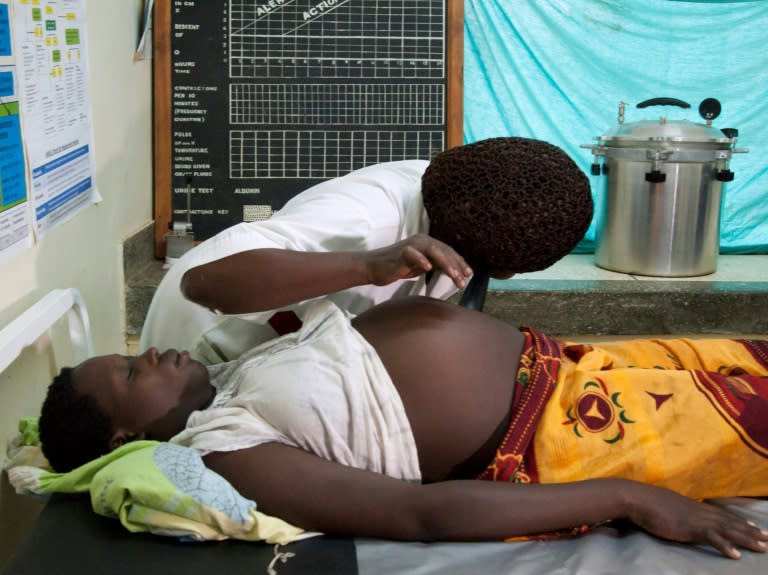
(120, 438)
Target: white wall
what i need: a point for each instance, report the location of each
(86, 252)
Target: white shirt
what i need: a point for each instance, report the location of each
(367, 209)
(322, 389)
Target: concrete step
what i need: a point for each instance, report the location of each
(573, 297)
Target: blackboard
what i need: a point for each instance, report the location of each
(256, 101)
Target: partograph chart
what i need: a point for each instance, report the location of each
(269, 97)
(337, 84)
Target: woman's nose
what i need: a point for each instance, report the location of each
(150, 355)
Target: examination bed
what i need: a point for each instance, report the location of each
(68, 537)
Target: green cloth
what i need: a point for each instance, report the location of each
(30, 434)
(154, 487)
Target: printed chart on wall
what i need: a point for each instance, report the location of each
(15, 233)
(270, 97)
(56, 108)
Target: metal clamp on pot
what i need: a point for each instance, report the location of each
(660, 198)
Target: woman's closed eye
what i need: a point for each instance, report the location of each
(129, 370)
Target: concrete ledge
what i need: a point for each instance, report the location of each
(573, 297)
(139, 289)
(142, 273)
(573, 307)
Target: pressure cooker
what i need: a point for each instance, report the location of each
(660, 195)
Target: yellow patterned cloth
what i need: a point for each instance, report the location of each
(690, 415)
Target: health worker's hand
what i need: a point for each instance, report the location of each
(414, 256)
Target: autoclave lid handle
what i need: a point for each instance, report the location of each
(663, 102)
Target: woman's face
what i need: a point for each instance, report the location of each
(150, 395)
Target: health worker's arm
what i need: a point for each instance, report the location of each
(318, 495)
(264, 279)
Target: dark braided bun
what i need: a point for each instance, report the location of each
(508, 205)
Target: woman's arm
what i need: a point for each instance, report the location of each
(263, 279)
(322, 496)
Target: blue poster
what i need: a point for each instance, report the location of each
(6, 85)
(5, 31)
(13, 188)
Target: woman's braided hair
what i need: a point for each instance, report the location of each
(508, 205)
(73, 429)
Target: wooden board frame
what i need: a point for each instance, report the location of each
(161, 37)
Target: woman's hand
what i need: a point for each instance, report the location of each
(666, 514)
(414, 256)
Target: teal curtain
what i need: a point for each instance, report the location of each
(557, 69)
